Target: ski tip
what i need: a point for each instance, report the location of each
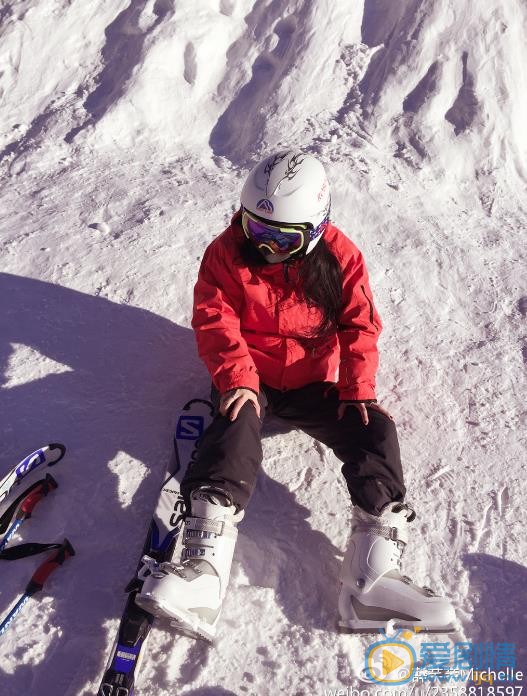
(57, 456)
(191, 403)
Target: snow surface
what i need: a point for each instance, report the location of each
(127, 128)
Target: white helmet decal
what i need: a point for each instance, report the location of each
(291, 170)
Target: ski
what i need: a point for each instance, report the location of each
(22, 473)
(163, 542)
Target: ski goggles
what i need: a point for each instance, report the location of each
(278, 238)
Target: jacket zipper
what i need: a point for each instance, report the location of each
(370, 305)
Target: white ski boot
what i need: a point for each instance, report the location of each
(191, 592)
(373, 590)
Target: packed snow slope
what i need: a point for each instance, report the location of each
(127, 128)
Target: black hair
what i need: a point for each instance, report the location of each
(319, 281)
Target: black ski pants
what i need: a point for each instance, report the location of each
(230, 452)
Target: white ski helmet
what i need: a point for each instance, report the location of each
(290, 187)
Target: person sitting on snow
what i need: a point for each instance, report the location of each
(286, 324)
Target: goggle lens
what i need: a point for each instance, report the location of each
(277, 239)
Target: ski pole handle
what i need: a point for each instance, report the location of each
(25, 550)
(57, 558)
(49, 484)
(43, 572)
(38, 491)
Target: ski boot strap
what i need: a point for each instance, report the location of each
(390, 533)
(203, 536)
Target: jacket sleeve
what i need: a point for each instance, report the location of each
(359, 329)
(218, 300)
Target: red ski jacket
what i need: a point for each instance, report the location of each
(251, 325)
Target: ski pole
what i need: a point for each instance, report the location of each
(38, 579)
(35, 494)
